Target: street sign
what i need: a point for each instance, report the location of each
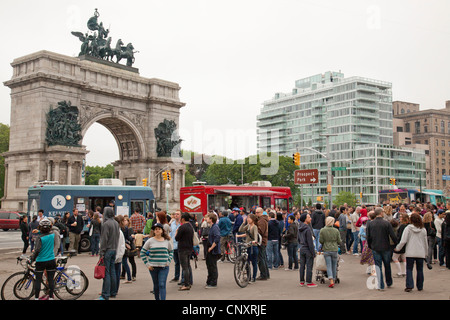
(309, 176)
(444, 177)
(338, 168)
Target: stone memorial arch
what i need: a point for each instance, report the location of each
(55, 99)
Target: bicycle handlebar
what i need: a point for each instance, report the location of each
(244, 244)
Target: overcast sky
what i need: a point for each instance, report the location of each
(231, 56)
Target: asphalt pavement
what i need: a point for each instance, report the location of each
(354, 284)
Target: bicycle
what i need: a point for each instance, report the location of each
(230, 249)
(242, 273)
(69, 284)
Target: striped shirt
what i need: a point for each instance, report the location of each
(156, 253)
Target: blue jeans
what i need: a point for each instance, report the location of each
(441, 253)
(380, 258)
(331, 258)
(280, 256)
(118, 269)
(253, 258)
(126, 267)
(95, 241)
(409, 273)
(292, 254)
(176, 260)
(306, 264)
(185, 262)
(349, 239)
(356, 240)
(317, 244)
(272, 254)
(159, 277)
(109, 281)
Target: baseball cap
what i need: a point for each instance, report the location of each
(157, 225)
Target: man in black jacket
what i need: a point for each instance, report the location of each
(307, 252)
(317, 223)
(185, 239)
(76, 225)
(378, 234)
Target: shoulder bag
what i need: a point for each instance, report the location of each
(100, 269)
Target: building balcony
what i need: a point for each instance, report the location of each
(367, 97)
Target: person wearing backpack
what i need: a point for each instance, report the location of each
(317, 223)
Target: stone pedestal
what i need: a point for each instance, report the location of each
(128, 105)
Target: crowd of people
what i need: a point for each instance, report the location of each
(406, 236)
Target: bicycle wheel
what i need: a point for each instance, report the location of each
(242, 272)
(18, 286)
(70, 285)
(231, 252)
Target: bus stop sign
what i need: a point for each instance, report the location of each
(310, 176)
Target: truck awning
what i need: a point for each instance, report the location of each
(247, 192)
(432, 193)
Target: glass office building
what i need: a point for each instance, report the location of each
(358, 112)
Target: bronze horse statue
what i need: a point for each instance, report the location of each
(121, 52)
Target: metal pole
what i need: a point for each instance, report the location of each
(328, 157)
(167, 199)
(330, 198)
(376, 173)
(301, 197)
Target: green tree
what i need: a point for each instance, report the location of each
(249, 170)
(96, 173)
(218, 172)
(4, 147)
(189, 179)
(197, 166)
(345, 197)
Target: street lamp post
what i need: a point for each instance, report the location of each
(329, 177)
(167, 197)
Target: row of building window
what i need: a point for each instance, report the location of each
(437, 129)
(437, 143)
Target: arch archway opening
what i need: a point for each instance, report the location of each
(102, 146)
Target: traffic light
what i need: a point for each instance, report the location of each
(169, 175)
(164, 174)
(360, 195)
(392, 181)
(145, 182)
(296, 158)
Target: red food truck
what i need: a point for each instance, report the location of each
(200, 199)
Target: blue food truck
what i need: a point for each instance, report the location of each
(59, 199)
